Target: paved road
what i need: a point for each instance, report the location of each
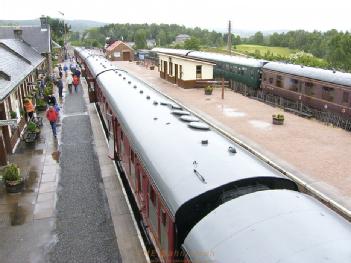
(84, 227)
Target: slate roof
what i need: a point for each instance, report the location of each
(35, 36)
(336, 77)
(17, 60)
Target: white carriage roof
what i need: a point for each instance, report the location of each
(196, 60)
(330, 76)
(169, 148)
(270, 226)
(250, 62)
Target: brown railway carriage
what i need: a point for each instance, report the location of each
(319, 89)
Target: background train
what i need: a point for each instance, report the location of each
(307, 91)
(201, 197)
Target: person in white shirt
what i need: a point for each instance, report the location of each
(69, 81)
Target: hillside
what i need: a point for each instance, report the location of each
(77, 25)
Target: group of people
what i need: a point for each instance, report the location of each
(52, 114)
(72, 77)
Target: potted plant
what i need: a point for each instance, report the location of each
(208, 90)
(278, 119)
(33, 128)
(41, 105)
(13, 114)
(14, 182)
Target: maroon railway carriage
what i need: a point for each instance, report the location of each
(319, 89)
(185, 177)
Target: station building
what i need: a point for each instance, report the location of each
(119, 51)
(19, 67)
(184, 71)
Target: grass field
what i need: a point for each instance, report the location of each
(282, 51)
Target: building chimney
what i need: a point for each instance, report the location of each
(18, 33)
(44, 22)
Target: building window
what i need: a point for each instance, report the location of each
(271, 80)
(345, 97)
(170, 68)
(279, 81)
(198, 72)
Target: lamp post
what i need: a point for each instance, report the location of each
(64, 35)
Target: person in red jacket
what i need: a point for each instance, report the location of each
(52, 115)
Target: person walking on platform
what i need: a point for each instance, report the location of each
(59, 85)
(69, 81)
(65, 69)
(52, 115)
(75, 83)
(28, 106)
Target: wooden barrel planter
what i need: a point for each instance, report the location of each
(278, 119)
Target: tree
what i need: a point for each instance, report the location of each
(140, 39)
(193, 43)
(58, 28)
(161, 38)
(258, 38)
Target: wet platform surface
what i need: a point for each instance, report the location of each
(316, 153)
(73, 208)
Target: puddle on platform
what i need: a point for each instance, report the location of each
(231, 112)
(18, 217)
(30, 182)
(56, 156)
(38, 151)
(263, 125)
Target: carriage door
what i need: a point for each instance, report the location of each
(176, 73)
(165, 69)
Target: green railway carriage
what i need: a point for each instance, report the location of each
(243, 71)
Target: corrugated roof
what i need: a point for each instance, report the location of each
(14, 57)
(336, 77)
(35, 36)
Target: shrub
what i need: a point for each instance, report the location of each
(11, 173)
(41, 102)
(31, 126)
(278, 116)
(13, 114)
(209, 89)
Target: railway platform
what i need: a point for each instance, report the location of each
(73, 208)
(317, 154)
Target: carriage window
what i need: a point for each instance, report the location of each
(132, 156)
(327, 93)
(309, 88)
(152, 196)
(345, 97)
(294, 84)
(279, 81)
(164, 218)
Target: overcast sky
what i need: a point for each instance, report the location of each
(245, 15)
